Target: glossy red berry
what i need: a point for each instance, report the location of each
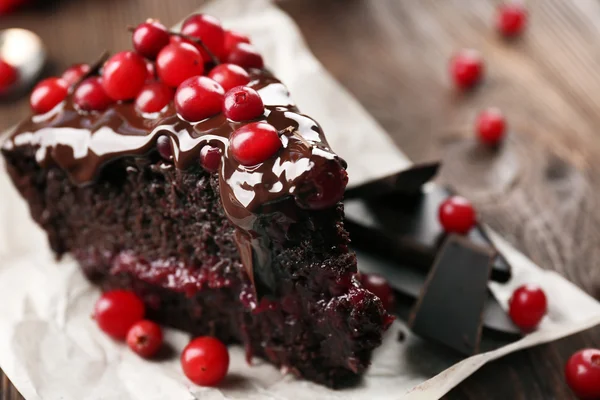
(582, 373)
(124, 75)
(198, 98)
(232, 38)
(74, 73)
(210, 158)
(177, 62)
(527, 306)
(90, 95)
(164, 147)
(457, 215)
(379, 286)
(242, 104)
(151, 71)
(48, 94)
(323, 187)
(490, 127)
(176, 39)
(8, 6)
(149, 38)
(229, 76)
(245, 55)
(116, 312)
(511, 19)
(8, 76)
(254, 143)
(466, 68)
(205, 361)
(145, 338)
(209, 30)
(154, 97)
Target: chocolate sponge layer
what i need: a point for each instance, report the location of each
(146, 226)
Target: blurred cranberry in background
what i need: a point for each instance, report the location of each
(7, 6)
(8, 76)
(22, 58)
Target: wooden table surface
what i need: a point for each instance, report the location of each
(541, 190)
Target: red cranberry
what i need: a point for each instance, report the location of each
(75, 72)
(232, 38)
(178, 62)
(176, 39)
(466, 68)
(457, 215)
(490, 126)
(209, 30)
(8, 6)
(164, 147)
(511, 19)
(90, 95)
(8, 76)
(154, 97)
(245, 55)
(377, 285)
(527, 306)
(323, 187)
(242, 104)
(210, 158)
(198, 98)
(48, 94)
(145, 338)
(116, 311)
(205, 361)
(149, 38)
(229, 75)
(582, 373)
(254, 143)
(124, 75)
(151, 71)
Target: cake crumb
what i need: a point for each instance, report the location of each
(401, 336)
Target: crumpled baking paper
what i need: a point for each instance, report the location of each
(51, 349)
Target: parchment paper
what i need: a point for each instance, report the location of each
(51, 348)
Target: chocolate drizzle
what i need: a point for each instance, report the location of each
(82, 143)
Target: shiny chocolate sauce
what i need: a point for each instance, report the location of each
(82, 143)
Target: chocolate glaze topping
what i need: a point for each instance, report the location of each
(82, 143)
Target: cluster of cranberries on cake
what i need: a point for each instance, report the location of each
(182, 171)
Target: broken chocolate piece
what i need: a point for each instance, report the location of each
(450, 307)
(406, 228)
(407, 282)
(408, 182)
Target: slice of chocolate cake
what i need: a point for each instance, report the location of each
(253, 254)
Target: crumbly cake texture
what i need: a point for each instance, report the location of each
(162, 232)
(220, 209)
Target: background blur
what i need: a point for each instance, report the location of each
(541, 189)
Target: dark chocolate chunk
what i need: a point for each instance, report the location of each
(406, 228)
(451, 304)
(408, 182)
(407, 282)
